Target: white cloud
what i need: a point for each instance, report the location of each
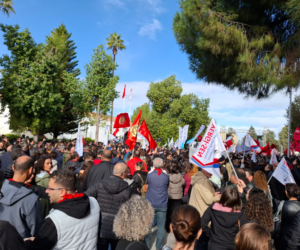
(150, 29)
(156, 5)
(227, 107)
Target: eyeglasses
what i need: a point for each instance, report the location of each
(56, 189)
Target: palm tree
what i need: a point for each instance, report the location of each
(6, 6)
(115, 43)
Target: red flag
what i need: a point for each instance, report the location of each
(83, 141)
(229, 143)
(132, 133)
(123, 96)
(297, 135)
(257, 142)
(122, 121)
(116, 131)
(199, 138)
(146, 133)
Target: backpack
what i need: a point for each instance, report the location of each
(144, 186)
(133, 243)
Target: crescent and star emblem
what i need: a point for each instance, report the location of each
(122, 120)
(134, 130)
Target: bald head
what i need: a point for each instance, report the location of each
(119, 169)
(23, 164)
(106, 155)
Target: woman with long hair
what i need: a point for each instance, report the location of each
(260, 181)
(43, 167)
(258, 208)
(226, 218)
(132, 223)
(190, 171)
(253, 236)
(185, 225)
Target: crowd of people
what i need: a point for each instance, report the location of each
(115, 198)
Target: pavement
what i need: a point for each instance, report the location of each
(169, 239)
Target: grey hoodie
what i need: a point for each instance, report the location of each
(176, 184)
(20, 206)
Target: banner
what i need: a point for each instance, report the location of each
(209, 151)
(180, 137)
(176, 144)
(106, 134)
(171, 143)
(124, 91)
(196, 136)
(79, 142)
(283, 174)
(133, 131)
(185, 131)
(122, 121)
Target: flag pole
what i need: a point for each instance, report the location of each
(123, 104)
(232, 167)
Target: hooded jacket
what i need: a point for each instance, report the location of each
(224, 227)
(10, 238)
(110, 193)
(20, 206)
(203, 193)
(71, 224)
(176, 184)
(42, 179)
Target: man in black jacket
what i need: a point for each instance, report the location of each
(15, 154)
(100, 171)
(6, 159)
(110, 193)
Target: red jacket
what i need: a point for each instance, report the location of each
(131, 164)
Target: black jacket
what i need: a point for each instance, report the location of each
(138, 180)
(277, 189)
(296, 174)
(5, 161)
(10, 239)
(46, 237)
(97, 173)
(59, 159)
(292, 236)
(110, 193)
(224, 227)
(75, 164)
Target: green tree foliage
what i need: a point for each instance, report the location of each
(295, 115)
(115, 43)
(270, 137)
(283, 138)
(6, 7)
(30, 83)
(249, 46)
(252, 132)
(100, 83)
(170, 110)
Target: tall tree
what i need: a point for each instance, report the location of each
(252, 132)
(60, 43)
(295, 116)
(6, 7)
(249, 46)
(100, 83)
(270, 137)
(283, 138)
(115, 43)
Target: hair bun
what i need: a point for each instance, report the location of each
(182, 227)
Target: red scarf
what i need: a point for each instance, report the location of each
(70, 196)
(48, 172)
(159, 171)
(28, 185)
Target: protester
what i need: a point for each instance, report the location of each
(175, 192)
(16, 152)
(73, 162)
(18, 204)
(157, 195)
(60, 156)
(43, 167)
(258, 208)
(131, 163)
(10, 239)
(110, 193)
(116, 157)
(132, 223)
(140, 177)
(253, 236)
(185, 226)
(6, 159)
(53, 155)
(191, 170)
(226, 218)
(100, 171)
(260, 181)
(73, 215)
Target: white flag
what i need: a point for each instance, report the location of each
(176, 144)
(281, 150)
(249, 142)
(106, 135)
(180, 137)
(253, 157)
(79, 143)
(273, 159)
(165, 145)
(144, 144)
(209, 150)
(171, 143)
(195, 137)
(283, 174)
(185, 130)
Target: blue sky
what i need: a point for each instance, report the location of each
(152, 53)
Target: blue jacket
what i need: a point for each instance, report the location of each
(59, 160)
(6, 160)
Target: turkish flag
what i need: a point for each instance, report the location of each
(116, 131)
(124, 91)
(83, 141)
(199, 138)
(257, 142)
(122, 121)
(146, 133)
(133, 131)
(229, 143)
(267, 149)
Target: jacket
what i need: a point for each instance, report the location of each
(75, 164)
(110, 193)
(6, 160)
(292, 236)
(10, 239)
(203, 193)
(187, 179)
(42, 179)
(131, 164)
(71, 224)
(116, 160)
(277, 189)
(138, 180)
(20, 206)
(98, 173)
(176, 184)
(59, 159)
(224, 227)
(9, 173)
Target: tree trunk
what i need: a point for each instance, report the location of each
(98, 121)
(112, 103)
(36, 136)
